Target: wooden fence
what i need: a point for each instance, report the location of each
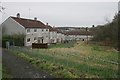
(39, 45)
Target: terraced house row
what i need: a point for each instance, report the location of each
(35, 31)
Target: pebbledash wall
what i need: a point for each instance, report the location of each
(37, 35)
(10, 27)
(53, 36)
(77, 37)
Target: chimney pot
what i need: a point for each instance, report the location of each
(47, 24)
(35, 18)
(18, 15)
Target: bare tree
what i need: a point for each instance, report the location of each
(107, 19)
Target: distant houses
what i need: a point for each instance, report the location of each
(36, 31)
(78, 35)
(52, 34)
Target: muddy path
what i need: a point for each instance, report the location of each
(19, 68)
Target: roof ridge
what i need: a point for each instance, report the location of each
(25, 18)
(29, 23)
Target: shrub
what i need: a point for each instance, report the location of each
(16, 39)
(107, 33)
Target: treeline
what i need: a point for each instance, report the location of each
(107, 34)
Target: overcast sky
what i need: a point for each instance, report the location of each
(82, 14)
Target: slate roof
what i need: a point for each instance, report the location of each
(29, 23)
(51, 29)
(78, 33)
(54, 29)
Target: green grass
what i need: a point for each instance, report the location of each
(6, 73)
(80, 57)
(63, 45)
(43, 63)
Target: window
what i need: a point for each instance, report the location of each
(46, 29)
(42, 29)
(28, 30)
(35, 38)
(35, 30)
(28, 39)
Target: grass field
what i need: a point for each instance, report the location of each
(74, 60)
(5, 72)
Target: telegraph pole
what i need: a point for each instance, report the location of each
(29, 12)
(1, 8)
(87, 34)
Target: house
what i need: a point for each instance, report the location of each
(52, 34)
(78, 35)
(60, 37)
(65, 29)
(34, 30)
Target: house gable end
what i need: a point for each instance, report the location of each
(18, 23)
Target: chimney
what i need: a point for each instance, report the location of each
(47, 24)
(35, 18)
(18, 15)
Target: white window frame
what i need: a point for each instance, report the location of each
(28, 41)
(28, 31)
(35, 39)
(42, 30)
(46, 30)
(35, 30)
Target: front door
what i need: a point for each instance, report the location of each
(40, 39)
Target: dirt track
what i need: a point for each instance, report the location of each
(19, 68)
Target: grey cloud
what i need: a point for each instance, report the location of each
(64, 13)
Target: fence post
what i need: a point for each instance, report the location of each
(7, 45)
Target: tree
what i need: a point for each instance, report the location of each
(16, 39)
(107, 33)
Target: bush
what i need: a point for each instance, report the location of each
(107, 34)
(16, 39)
(4, 42)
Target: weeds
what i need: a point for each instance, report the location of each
(81, 60)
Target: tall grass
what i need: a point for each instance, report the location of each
(63, 45)
(80, 57)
